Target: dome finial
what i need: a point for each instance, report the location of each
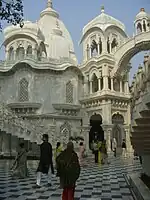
(49, 4)
(102, 9)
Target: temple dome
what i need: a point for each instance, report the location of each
(55, 34)
(103, 21)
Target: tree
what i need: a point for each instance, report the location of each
(11, 11)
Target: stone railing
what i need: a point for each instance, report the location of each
(140, 112)
(17, 126)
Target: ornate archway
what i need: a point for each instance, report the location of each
(134, 45)
(95, 119)
(96, 131)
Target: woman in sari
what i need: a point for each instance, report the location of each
(19, 168)
(68, 169)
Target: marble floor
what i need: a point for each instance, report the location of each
(96, 183)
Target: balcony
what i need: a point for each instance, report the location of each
(24, 107)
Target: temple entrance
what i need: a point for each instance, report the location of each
(96, 132)
(118, 130)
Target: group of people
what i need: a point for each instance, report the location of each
(67, 163)
(67, 166)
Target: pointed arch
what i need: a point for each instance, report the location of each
(139, 27)
(94, 49)
(117, 118)
(69, 92)
(23, 90)
(117, 134)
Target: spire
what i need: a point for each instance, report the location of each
(102, 9)
(49, 4)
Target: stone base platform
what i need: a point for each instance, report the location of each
(141, 191)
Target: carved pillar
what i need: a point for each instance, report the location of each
(110, 46)
(108, 140)
(98, 49)
(90, 49)
(112, 84)
(90, 87)
(99, 84)
(105, 78)
(85, 133)
(128, 141)
(15, 54)
(85, 86)
(126, 87)
(6, 54)
(120, 85)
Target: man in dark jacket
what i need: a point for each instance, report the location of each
(45, 160)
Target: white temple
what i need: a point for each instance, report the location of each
(43, 86)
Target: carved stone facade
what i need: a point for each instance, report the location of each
(140, 109)
(48, 92)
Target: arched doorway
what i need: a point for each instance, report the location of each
(118, 131)
(96, 131)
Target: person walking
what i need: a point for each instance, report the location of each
(124, 154)
(19, 167)
(81, 152)
(68, 170)
(114, 146)
(45, 161)
(104, 155)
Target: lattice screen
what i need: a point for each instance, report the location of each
(69, 92)
(65, 133)
(23, 90)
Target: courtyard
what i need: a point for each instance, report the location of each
(105, 182)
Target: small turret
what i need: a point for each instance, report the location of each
(142, 22)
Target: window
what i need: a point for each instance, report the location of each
(108, 45)
(139, 28)
(100, 46)
(114, 45)
(69, 92)
(144, 26)
(20, 52)
(29, 50)
(23, 90)
(94, 49)
(11, 53)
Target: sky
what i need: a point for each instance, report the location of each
(77, 13)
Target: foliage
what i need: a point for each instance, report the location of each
(11, 11)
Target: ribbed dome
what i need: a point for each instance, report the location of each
(142, 15)
(103, 21)
(55, 33)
